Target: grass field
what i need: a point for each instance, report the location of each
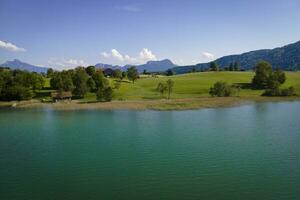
(194, 85)
(188, 88)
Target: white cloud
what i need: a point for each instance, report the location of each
(115, 56)
(147, 55)
(66, 63)
(208, 56)
(10, 47)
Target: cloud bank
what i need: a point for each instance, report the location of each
(115, 56)
(10, 47)
(66, 63)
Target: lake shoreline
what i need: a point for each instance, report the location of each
(160, 105)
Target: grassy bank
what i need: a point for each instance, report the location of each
(159, 104)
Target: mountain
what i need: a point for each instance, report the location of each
(102, 65)
(156, 66)
(286, 57)
(17, 64)
(150, 66)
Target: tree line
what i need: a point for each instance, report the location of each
(82, 80)
(265, 78)
(18, 84)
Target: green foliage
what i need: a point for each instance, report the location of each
(161, 88)
(214, 66)
(18, 85)
(80, 82)
(90, 70)
(266, 78)
(17, 92)
(91, 84)
(222, 89)
(124, 75)
(132, 74)
(165, 87)
(117, 74)
(290, 91)
(170, 84)
(104, 94)
(263, 73)
(117, 84)
(50, 73)
(100, 80)
(236, 66)
(170, 72)
(62, 81)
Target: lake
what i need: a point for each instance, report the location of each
(246, 152)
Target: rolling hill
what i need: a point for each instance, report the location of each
(286, 57)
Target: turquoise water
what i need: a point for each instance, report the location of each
(247, 152)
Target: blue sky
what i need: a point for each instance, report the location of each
(76, 32)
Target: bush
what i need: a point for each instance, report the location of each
(280, 92)
(222, 89)
(18, 93)
(108, 92)
(288, 91)
(104, 94)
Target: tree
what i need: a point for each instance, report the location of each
(266, 78)
(104, 94)
(231, 67)
(214, 66)
(62, 81)
(132, 74)
(263, 71)
(108, 93)
(90, 70)
(161, 88)
(221, 89)
(50, 72)
(117, 74)
(80, 82)
(124, 75)
(279, 76)
(38, 81)
(100, 80)
(91, 84)
(236, 66)
(170, 84)
(169, 72)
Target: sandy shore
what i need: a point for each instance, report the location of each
(173, 104)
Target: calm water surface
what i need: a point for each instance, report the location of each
(247, 152)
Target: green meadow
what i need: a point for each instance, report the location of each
(194, 85)
(190, 85)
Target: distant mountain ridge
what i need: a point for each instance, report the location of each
(286, 57)
(150, 66)
(17, 64)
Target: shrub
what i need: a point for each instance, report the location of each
(280, 92)
(222, 89)
(108, 92)
(104, 94)
(288, 91)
